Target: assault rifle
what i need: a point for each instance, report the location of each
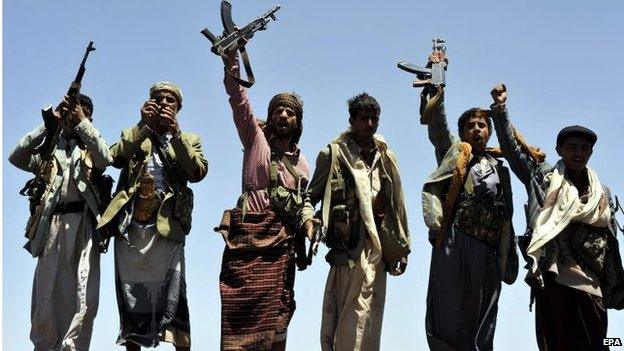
(234, 39)
(36, 187)
(47, 148)
(432, 75)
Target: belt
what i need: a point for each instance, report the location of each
(69, 207)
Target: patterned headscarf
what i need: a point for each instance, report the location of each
(168, 86)
(293, 101)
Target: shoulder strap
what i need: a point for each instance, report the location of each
(167, 166)
(333, 152)
(290, 168)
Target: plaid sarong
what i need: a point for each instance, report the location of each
(256, 283)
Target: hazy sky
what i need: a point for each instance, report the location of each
(561, 61)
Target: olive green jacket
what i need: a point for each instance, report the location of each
(132, 153)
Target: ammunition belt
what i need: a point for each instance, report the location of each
(480, 219)
(588, 246)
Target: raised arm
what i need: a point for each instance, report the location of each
(435, 117)
(246, 123)
(23, 156)
(520, 162)
(94, 142)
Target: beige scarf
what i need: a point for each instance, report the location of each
(562, 205)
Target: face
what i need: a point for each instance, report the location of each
(87, 112)
(283, 121)
(365, 124)
(475, 132)
(575, 152)
(69, 124)
(165, 99)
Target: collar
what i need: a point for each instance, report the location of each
(295, 151)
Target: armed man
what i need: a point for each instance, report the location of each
(258, 268)
(467, 206)
(363, 211)
(575, 268)
(152, 213)
(62, 233)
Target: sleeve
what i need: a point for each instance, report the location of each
(613, 276)
(94, 142)
(23, 156)
(246, 123)
(521, 164)
(188, 151)
(437, 127)
(316, 188)
(131, 139)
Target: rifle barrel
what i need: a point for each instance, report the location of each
(75, 86)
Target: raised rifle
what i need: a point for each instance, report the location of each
(234, 39)
(431, 76)
(36, 187)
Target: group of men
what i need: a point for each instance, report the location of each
(574, 267)
(149, 217)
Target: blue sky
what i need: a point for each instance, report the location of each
(561, 61)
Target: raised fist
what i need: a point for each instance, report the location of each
(499, 94)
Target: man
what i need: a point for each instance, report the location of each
(152, 211)
(467, 206)
(258, 268)
(357, 176)
(66, 284)
(575, 269)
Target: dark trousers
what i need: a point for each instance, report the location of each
(568, 319)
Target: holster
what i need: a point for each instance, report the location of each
(344, 213)
(183, 208)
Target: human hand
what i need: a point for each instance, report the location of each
(149, 111)
(308, 227)
(399, 267)
(437, 57)
(167, 118)
(499, 94)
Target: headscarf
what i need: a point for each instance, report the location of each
(170, 87)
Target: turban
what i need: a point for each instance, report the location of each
(291, 100)
(170, 87)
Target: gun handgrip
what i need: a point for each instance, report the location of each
(421, 83)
